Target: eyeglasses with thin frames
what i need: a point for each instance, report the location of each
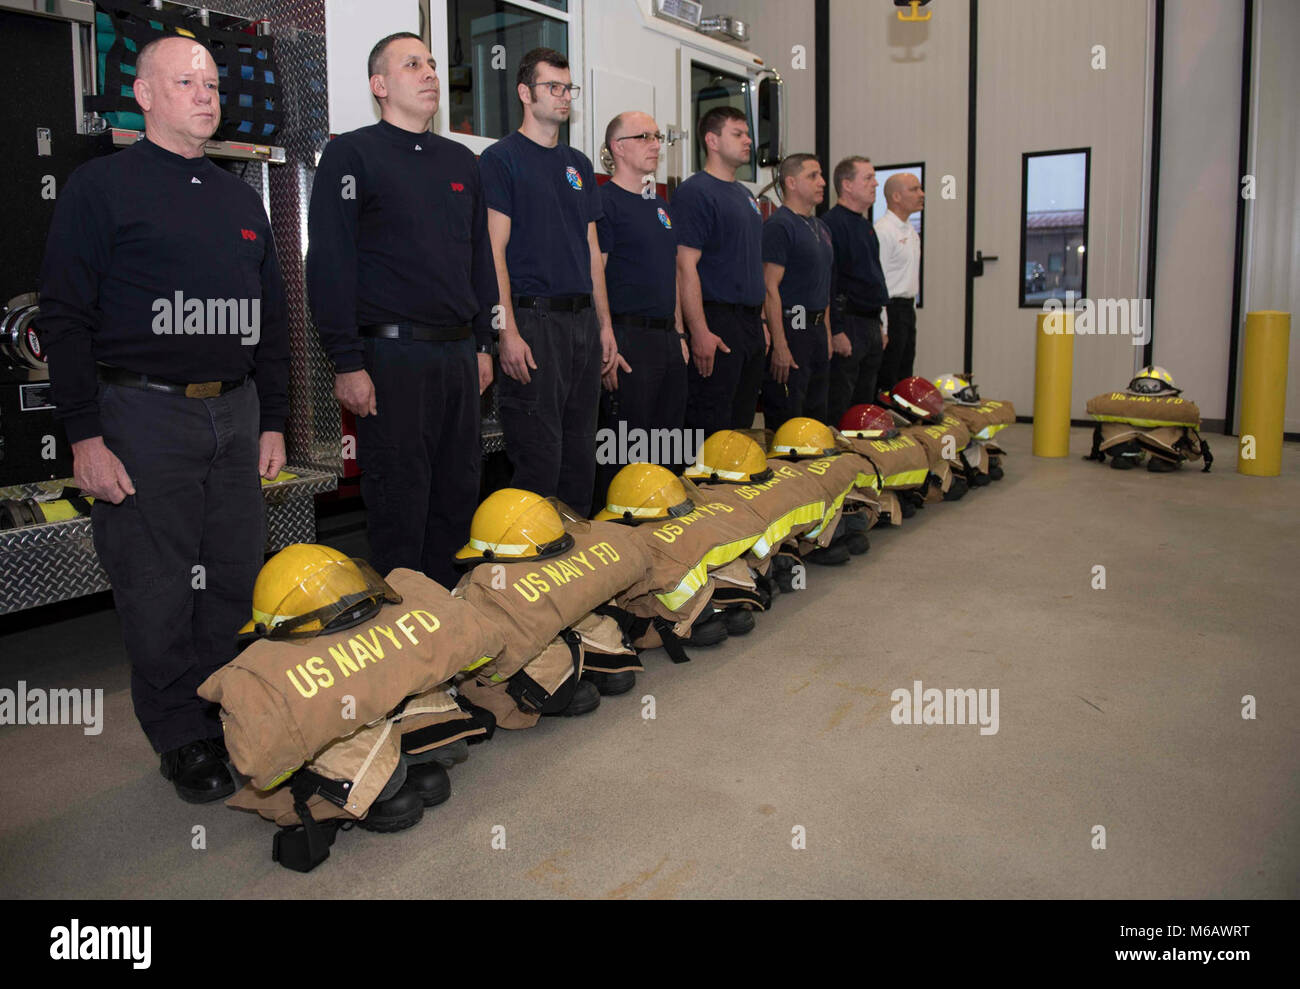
(561, 89)
(656, 136)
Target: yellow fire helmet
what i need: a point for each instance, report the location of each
(1154, 380)
(803, 437)
(512, 524)
(645, 493)
(730, 456)
(959, 388)
(307, 589)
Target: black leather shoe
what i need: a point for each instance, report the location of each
(768, 589)
(832, 556)
(1159, 465)
(429, 782)
(585, 698)
(739, 621)
(978, 480)
(1123, 463)
(611, 684)
(198, 771)
(957, 489)
(996, 472)
(710, 629)
(908, 505)
(856, 543)
(401, 811)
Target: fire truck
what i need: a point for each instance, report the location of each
(293, 75)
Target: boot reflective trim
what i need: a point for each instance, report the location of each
(476, 664)
(508, 548)
(779, 529)
(696, 577)
(1149, 423)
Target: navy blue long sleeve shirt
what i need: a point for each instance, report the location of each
(397, 233)
(859, 277)
(145, 253)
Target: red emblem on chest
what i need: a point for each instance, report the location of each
(248, 234)
(457, 187)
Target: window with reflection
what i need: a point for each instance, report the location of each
(711, 88)
(1054, 226)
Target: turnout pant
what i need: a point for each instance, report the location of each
(420, 455)
(651, 396)
(728, 398)
(183, 552)
(550, 423)
(853, 378)
(805, 390)
(901, 352)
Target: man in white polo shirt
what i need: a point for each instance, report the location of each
(900, 257)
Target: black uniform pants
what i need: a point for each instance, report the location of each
(550, 423)
(728, 398)
(420, 455)
(853, 378)
(652, 396)
(901, 350)
(183, 552)
(806, 387)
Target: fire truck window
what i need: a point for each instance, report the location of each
(486, 40)
(711, 88)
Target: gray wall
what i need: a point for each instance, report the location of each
(1199, 185)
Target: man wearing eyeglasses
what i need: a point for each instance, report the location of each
(402, 287)
(556, 341)
(639, 244)
(720, 278)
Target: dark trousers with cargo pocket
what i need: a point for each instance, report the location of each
(804, 392)
(728, 398)
(650, 397)
(184, 551)
(853, 378)
(550, 423)
(420, 457)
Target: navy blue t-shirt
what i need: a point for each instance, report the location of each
(722, 220)
(550, 196)
(802, 245)
(639, 237)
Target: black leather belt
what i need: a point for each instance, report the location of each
(737, 307)
(903, 298)
(415, 331)
(554, 303)
(197, 389)
(645, 322)
(869, 313)
(817, 316)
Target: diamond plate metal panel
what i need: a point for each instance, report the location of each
(42, 564)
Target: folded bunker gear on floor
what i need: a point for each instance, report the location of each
(538, 571)
(281, 699)
(1164, 425)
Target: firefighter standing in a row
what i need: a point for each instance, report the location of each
(172, 415)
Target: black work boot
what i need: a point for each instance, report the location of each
(611, 684)
(429, 781)
(739, 621)
(831, 556)
(198, 771)
(401, 811)
(957, 489)
(1159, 465)
(585, 697)
(710, 629)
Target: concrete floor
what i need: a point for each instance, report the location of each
(1118, 707)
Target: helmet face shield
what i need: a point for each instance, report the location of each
(329, 599)
(1153, 381)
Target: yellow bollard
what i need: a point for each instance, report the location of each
(1263, 393)
(1053, 379)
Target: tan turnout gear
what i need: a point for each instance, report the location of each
(788, 504)
(281, 699)
(984, 421)
(1164, 425)
(946, 436)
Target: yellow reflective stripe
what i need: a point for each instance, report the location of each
(695, 578)
(498, 678)
(835, 507)
(867, 481)
(476, 664)
(907, 478)
(281, 778)
(480, 545)
(988, 432)
(636, 513)
(1149, 423)
(779, 529)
